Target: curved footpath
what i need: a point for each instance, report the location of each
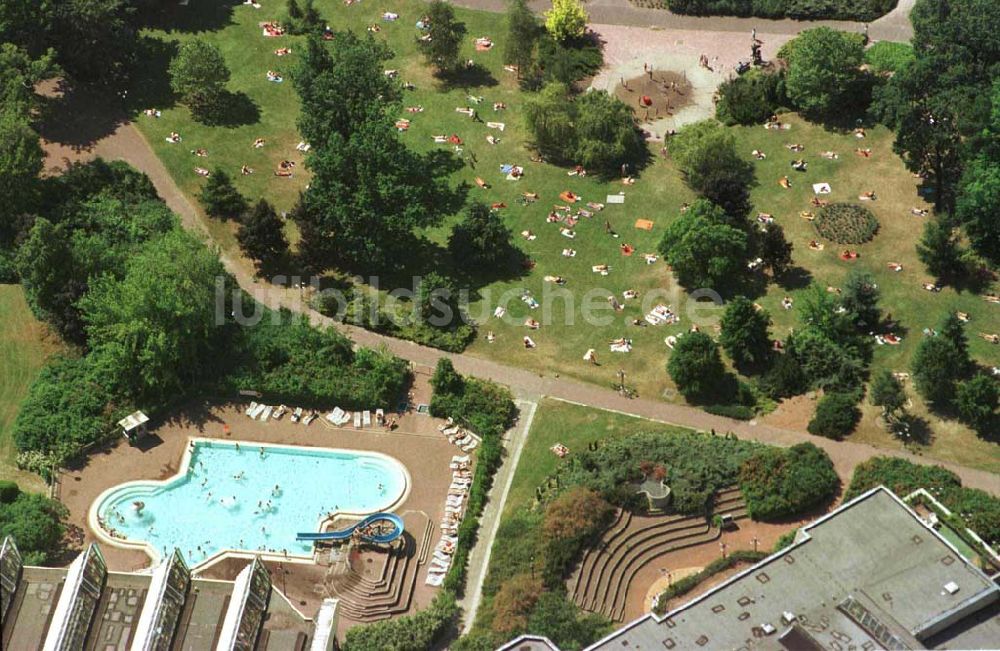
(894, 26)
(126, 143)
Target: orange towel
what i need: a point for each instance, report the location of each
(644, 224)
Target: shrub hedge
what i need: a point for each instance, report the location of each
(836, 416)
(780, 482)
(689, 583)
(846, 223)
(859, 10)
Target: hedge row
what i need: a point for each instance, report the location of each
(689, 583)
(858, 10)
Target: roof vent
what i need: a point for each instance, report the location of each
(951, 587)
(787, 618)
(768, 629)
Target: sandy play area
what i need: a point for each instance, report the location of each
(629, 52)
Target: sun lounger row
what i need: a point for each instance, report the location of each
(454, 508)
(338, 417)
(459, 436)
(262, 412)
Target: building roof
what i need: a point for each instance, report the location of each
(870, 574)
(86, 606)
(133, 420)
(529, 643)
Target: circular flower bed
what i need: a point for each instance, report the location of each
(846, 223)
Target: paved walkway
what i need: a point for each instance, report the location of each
(894, 26)
(127, 143)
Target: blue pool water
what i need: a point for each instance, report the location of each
(229, 499)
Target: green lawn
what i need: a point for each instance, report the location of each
(575, 427)
(24, 345)
(657, 196)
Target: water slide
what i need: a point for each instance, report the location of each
(344, 534)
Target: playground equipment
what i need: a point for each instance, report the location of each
(382, 528)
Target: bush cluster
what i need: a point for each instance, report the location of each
(859, 10)
(750, 98)
(34, 521)
(836, 415)
(780, 482)
(846, 223)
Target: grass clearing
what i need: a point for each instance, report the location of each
(25, 343)
(657, 195)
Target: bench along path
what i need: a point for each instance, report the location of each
(126, 143)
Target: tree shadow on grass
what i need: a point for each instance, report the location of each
(191, 16)
(233, 110)
(150, 85)
(467, 77)
(795, 278)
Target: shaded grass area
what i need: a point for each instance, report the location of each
(25, 343)
(657, 195)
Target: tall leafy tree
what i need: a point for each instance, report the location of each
(745, 335)
(977, 207)
(706, 154)
(940, 251)
(935, 373)
(199, 74)
(220, 198)
(262, 236)
(775, 249)
(823, 69)
(368, 196)
(19, 74)
(523, 31)
(976, 400)
(607, 134)
(566, 20)
(860, 299)
(96, 40)
(343, 85)
(481, 240)
(550, 118)
(445, 37)
(703, 249)
(158, 326)
(21, 160)
(696, 366)
(887, 392)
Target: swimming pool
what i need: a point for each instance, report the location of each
(247, 496)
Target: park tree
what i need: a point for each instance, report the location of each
(860, 298)
(976, 400)
(706, 154)
(549, 115)
(262, 235)
(823, 69)
(21, 161)
(703, 249)
(35, 522)
(977, 204)
(523, 31)
(220, 198)
(445, 34)
(836, 416)
(607, 134)
(940, 250)
(566, 20)
(199, 74)
(97, 41)
(744, 334)
(953, 331)
(935, 370)
(824, 362)
(436, 300)
(158, 326)
(481, 241)
(775, 249)
(27, 24)
(51, 280)
(343, 85)
(887, 392)
(696, 367)
(368, 197)
(20, 73)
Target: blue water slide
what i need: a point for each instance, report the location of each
(344, 534)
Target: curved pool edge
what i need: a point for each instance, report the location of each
(154, 554)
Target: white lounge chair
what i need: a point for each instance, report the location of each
(435, 579)
(357, 420)
(366, 418)
(297, 415)
(258, 410)
(250, 409)
(267, 413)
